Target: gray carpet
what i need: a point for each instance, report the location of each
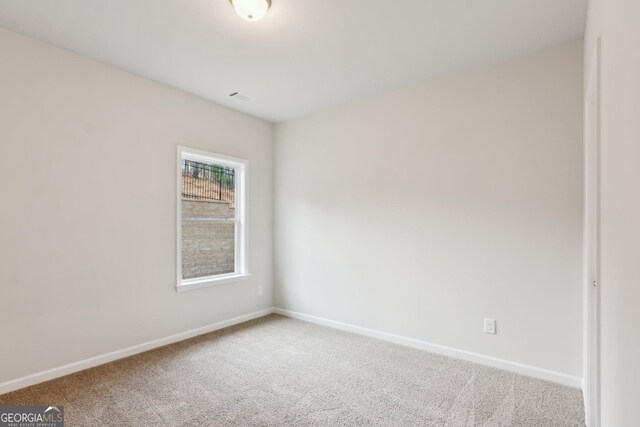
(278, 371)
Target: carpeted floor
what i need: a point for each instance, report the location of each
(278, 371)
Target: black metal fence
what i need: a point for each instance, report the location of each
(207, 182)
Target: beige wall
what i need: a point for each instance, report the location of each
(618, 24)
(422, 211)
(88, 214)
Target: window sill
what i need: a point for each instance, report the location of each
(206, 282)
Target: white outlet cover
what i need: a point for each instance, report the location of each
(259, 290)
(490, 326)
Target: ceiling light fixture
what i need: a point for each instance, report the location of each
(251, 10)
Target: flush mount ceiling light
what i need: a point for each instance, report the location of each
(251, 10)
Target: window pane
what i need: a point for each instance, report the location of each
(201, 181)
(202, 209)
(208, 248)
(208, 193)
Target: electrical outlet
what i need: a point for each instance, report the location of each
(490, 326)
(259, 290)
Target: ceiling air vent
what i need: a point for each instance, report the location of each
(240, 97)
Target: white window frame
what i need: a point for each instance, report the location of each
(241, 230)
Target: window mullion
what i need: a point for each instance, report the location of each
(227, 220)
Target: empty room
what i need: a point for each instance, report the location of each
(319, 213)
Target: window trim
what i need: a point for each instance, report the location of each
(241, 231)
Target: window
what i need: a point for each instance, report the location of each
(211, 241)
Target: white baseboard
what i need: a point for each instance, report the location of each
(61, 371)
(519, 368)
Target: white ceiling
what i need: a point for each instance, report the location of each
(305, 55)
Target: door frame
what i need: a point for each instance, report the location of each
(592, 212)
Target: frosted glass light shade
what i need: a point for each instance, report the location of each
(251, 10)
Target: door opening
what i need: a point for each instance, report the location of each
(592, 283)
